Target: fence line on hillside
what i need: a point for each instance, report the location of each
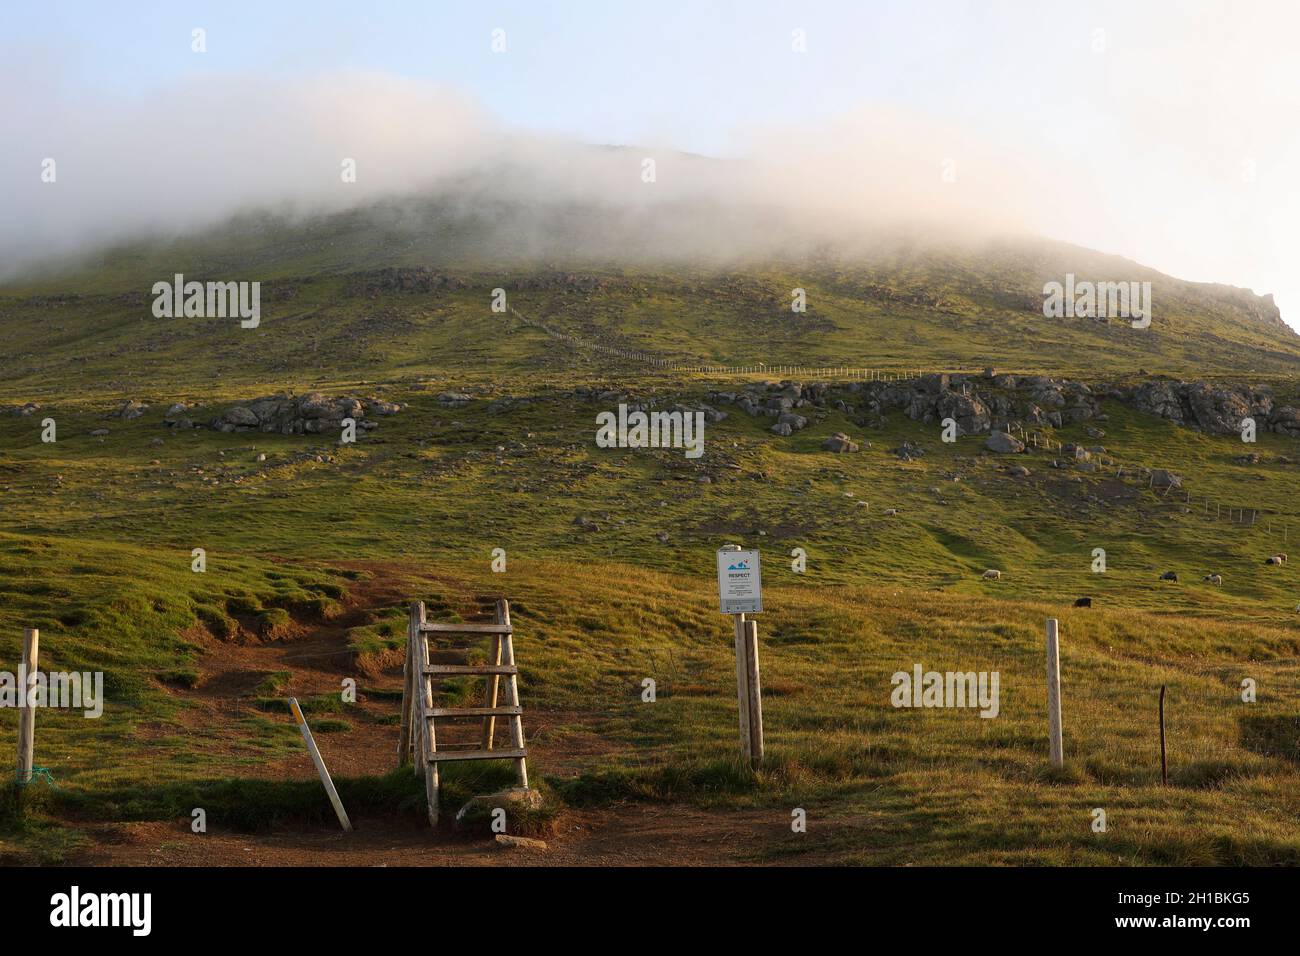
(759, 368)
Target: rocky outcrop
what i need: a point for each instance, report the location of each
(1216, 409)
(308, 414)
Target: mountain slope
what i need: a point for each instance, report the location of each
(405, 286)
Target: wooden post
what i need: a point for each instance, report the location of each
(1054, 694)
(494, 681)
(755, 694)
(320, 765)
(410, 681)
(1164, 764)
(512, 694)
(426, 737)
(26, 714)
(742, 683)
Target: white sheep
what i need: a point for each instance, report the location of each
(1216, 579)
(992, 575)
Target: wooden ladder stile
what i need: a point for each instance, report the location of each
(419, 715)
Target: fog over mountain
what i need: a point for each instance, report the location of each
(1194, 186)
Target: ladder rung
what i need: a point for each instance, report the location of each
(474, 712)
(484, 669)
(442, 755)
(468, 628)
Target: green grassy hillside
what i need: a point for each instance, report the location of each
(610, 552)
(397, 290)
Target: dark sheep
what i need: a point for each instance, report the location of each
(1169, 576)
(1083, 602)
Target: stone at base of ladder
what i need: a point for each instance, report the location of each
(523, 843)
(477, 812)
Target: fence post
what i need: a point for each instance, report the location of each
(1054, 694)
(1164, 764)
(742, 682)
(27, 714)
(755, 694)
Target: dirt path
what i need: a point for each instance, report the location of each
(622, 836)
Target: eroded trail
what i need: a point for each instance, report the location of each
(237, 678)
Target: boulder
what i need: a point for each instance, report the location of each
(1004, 444)
(839, 443)
(478, 810)
(1162, 478)
(130, 410)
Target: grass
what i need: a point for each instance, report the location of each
(97, 549)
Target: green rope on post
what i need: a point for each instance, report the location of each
(36, 773)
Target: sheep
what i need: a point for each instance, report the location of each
(1083, 602)
(1276, 559)
(1169, 576)
(1216, 579)
(992, 575)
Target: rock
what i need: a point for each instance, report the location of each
(796, 422)
(1018, 471)
(1218, 410)
(782, 429)
(241, 417)
(454, 399)
(908, 451)
(1004, 444)
(839, 443)
(22, 411)
(99, 432)
(1162, 478)
(478, 810)
(130, 410)
(970, 414)
(312, 413)
(521, 843)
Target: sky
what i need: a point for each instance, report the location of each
(1165, 132)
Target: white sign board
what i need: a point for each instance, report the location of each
(740, 586)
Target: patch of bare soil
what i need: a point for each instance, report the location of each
(630, 835)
